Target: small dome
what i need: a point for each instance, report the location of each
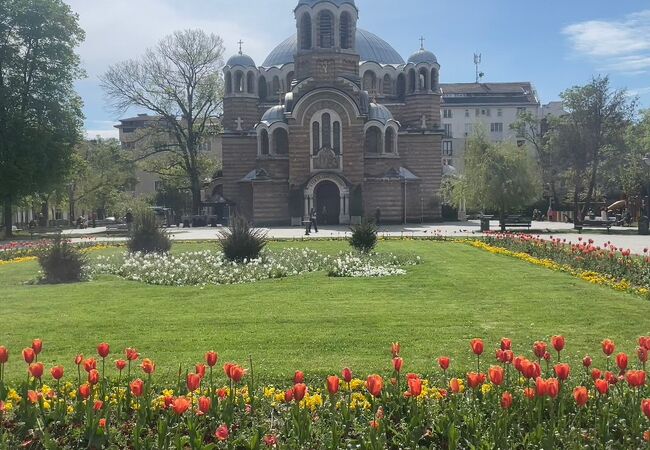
(273, 114)
(423, 56)
(379, 113)
(241, 60)
(335, 2)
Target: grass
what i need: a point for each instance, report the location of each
(321, 324)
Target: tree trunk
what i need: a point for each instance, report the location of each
(196, 193)
(8, 222)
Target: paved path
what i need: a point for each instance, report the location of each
(627, 240)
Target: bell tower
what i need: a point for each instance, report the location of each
(326, 39)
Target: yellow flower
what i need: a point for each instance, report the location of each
(486, 388)
(46, 389)
(70, 410)
(13, 395)
(46, 405)
(9, 406)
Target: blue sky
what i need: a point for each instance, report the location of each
(554, 44)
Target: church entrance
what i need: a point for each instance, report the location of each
(327, 202)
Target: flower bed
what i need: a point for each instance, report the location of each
(533, 400)
(610, 266)
(211, 268)
(25, 251)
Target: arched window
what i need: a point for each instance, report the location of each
(411, 81)
(346, 30)
(401, 86)
(228, 83)
(280, 142)
(290, 76)
(239, 82)
(250, 83)
(373, 140)
(264, 142)
(387, 85)
(326, 130)
(262, 88)
(305, 32)
(434, 79)
(276, 86)
(337, 138)
(390, 140)
(370, 81)
(325, 29)
(422, 80)
(315, 132)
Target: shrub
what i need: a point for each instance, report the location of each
(364, 236)
(147, 236)
(61, 262)
(240, 242)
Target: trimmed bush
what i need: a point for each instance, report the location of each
(240, 242)
(147, 236)
(61, 263)
(364, 236)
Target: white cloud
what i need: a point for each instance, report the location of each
(621, 45)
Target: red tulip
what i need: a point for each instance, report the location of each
(137, 387)
(586, 361)
(646, 436)
(540, 387)
(602, 386)
(642, 353)
(496, 374)
(148, 366)
(84, 391)
(180, 405)
(621, 361)
(644, 342)
(595, 374)
(636, 378)
(539, 348)
(299, 391)
(394, 349)
(102, 423)
(477, 346)
(506, 400)
(332, 384)
(270, 440)
(608, 347)
(581, 395)
(454, 385)
(298, 377)
(443, 362)
(37, 346)
(131, 354)
(90, 364)
(120, 364)
(288, 396)
(222, 393)
(78, 359)
(529, 393)
(414, 386)
(508, 356)
(222, 433)
(93, 377)
(237, 373)
(193, 382)
(645, 407)
(4, 354)
(347, 375)
(562, 371)
(36, 370)
(547, 356)
(474, 379)
(506, 344)
(29, 355)
(205, 404)
(57, 372)
(32, 396)
(103, 349)
(398, 363)
(375, 384)
(98, 405)
(211, 358)
(200, 370)
(558, 343)
(611, 378)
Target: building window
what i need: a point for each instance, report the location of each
(448, 134)
(496, 127)
(387, 85)
(346, 31)
(337, 137)
(521, 111)
(327, 129)
(264, 144)
(128, 130)
(446, 113)
(280, 142)
(315, 134)
(370, 81)
(467, 113)
(325, 30)
(326, 132)
(305, 32)
(373, 140)
(500, 112)
(390, 140)
(228, 82)
(447, 148)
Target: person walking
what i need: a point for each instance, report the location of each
(129, 220)
(313, 220)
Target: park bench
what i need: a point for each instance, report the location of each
(595, 224)
(513, 221)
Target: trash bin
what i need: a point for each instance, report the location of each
(644, 225)
(485, 224)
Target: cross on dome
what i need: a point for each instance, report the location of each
(240, 44)
(422, 42)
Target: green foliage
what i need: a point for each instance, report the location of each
(364, 236)
(147, 236)
(240, 242)
(61, 262)
(498, 176)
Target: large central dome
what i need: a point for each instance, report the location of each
(369, 46)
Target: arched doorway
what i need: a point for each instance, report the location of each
(327, 202)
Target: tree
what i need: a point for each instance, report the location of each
(40, 114)
(500, 177)
(180, 82)
(589, 135)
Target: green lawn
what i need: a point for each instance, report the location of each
(321, 324)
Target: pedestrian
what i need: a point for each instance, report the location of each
(313, 220)
(129, 219)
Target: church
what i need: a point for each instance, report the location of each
(333, 120)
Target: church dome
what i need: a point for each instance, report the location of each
(379, 112)
(423, 56)
(241, 59)
(369, 46)
(335, 2)
(273, 114)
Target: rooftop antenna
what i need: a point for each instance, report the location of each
(422, 42)
(240, 44)
(477, 63)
